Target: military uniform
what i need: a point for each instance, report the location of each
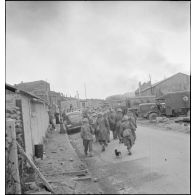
(101, 128)
(87, 136)
(128, 133)
(119, 117)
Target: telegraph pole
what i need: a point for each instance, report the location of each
(85, 91)
(150, 83)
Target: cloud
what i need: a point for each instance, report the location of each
(110, 46)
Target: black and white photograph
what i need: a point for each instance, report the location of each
(97, 97)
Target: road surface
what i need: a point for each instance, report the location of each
(160, 163)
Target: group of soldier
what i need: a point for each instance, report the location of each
(123, 126)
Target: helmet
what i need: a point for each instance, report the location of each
(85, 120)
(100, 114)
(125, 118)
(105, 113)
(94, 114)
(119, 110)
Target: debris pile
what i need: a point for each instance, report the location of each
(182, 119)
(162, 119)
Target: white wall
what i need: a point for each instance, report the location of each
(39, 121)
(36, 121)
(27, 125)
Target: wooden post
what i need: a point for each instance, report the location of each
(15, 187)
(35, 168)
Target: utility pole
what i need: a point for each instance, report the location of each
(149, 78)
(85, 91)
(78, 102)
(77, 94)
(150, 83)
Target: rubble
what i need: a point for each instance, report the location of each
(182, 119)
(161, 119)
(169, 124)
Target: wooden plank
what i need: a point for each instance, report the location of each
(35, 168)
(82, 178)
(69, 173)
(76, 172)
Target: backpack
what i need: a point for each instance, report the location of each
(127, 132)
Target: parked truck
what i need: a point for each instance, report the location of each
(177, 103)
(133, 102)
(170, 104)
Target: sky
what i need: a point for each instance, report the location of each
(108, 46)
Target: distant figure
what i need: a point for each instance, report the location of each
(64, 116)
(62, 127)
(87, 136)
(57, 117)
(52, 120)
(71, 108)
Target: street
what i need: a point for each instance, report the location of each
(160, 163)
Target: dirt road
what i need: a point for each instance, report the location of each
(160, 163)
(59, 159)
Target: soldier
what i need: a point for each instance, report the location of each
(101, 127)
(92, 122)
(112, 123)
(126, 130)
(132, 120)
(105, 116)
(119, 116)
(87, 136)
(97, 127)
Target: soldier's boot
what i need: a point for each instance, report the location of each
(129, 151)
(103, 148)
(90, 154)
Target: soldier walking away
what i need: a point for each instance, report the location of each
(105, 116)
(93, 121)
(133, 121)
(97, 127)
(87, 136)
(119, 116)
(126, 131)
(101, 126)
(112, 123)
